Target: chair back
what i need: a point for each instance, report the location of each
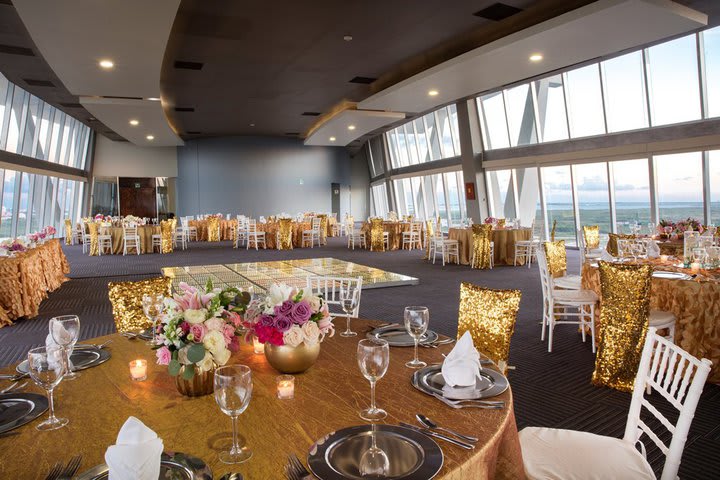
(284, 234)
(251, 226)
(126, 300)
(416, 227)
(323, 227)
(481, 245)
(331, 287)
(552, 231)
(612, 245)
(68, 231)
(556, 258)
(130, 231)
(377, 230)
(167, 230)
(349, 223)
(590, 237)
(213, 226)
(679, 378)
(315, 224)
(545, 278)
(490, 317)
(93, 229)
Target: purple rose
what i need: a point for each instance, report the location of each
(301, 312)
(283, 323)
(284, 308)
(266, 321)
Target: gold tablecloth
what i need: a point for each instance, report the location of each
(26, 279)
(145, 232)
(695, 304)
(227, 229)
(328, 397)
(271, 229)
(504, 240)
(395, 229)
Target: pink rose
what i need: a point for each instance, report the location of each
(234, 318)
(198, 332)
(229, 333)
(234, 344)
(325, 323)
(163, 355)
(215, 324)
(301, 312)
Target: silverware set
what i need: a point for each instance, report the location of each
(295, 470)
(438, 343)
(439, 436)
(81, 346)
(14, 377)
(471, 403)
(15, 387)
(65, 472)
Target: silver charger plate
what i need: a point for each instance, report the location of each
(397, 336)
(173, 465)
(430, 380)
(411, 455)
(17, 409)
(670, 275)
(81, 359)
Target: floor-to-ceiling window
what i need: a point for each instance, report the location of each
(593, 200)
(500, 193)
(679, 186)
(631, 188)
(557, 187)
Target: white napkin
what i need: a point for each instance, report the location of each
(605, 256)
(62, 333)
(461, 368)
(653, 250)
(136, 455)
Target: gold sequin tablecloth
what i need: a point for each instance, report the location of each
(395, 229)
(227, 229)
(145, 232)
(328, 397)
(26, 279)
(504, 240)
(271, 229)
(695, 304)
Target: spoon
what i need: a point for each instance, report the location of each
(434, 426)
(232, 476)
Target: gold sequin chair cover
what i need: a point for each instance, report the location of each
(323, 228)
(481, 245)
(285, 234)
(489, 315)
(167, 230)
(612, 245)
(591, 235)
(126, 299)
(556, 258)
(376, 235)
(68, 231)
(429, 234)
(93, 228)
(624, 314)
(213, 225)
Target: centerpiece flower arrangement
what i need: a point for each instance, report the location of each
(132, 220)
(490, 220)
(198, 330)
(678, 228)
(13, 245)
(219, 216)
(50, 231)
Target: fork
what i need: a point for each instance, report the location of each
(71, 467)
(54, 473)
(14, 387)
(470, 403)
(295, 469)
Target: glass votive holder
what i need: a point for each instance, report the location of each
(285, 387)
(695, 267)
(258, 346)
(664, 258)
(138, 370)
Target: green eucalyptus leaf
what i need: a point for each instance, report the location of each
(174, 368)
(196, 352)
(188, 372)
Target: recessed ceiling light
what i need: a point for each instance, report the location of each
(106, 64)
(134, 122)
(150, 137)
(153, 99)
(332, 139)
(351, 127)
(536, 57)
(252, 124)
(433, 93)
(347, 38)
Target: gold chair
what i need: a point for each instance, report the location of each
(68, 232)
(591, 236)
(557, 266)
(378, 236)
(126, 299)
(167, 230)
(490, 317)
(429, 235)
(323, 228)
(213, 226)
(93, 228)
(624, 319)
(283, 239)
(482, 255)
(612, 245)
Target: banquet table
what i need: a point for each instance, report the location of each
(145, 232)
(328, 397)
(695, 303)
(271, 229)
(395, 229)
(26, 279)
(227, 229)
(504, 239)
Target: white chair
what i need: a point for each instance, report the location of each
(192, 234)
(254, 238)
(330, 287)
(448, 248)
(557, 302)
(241, 233)
(85, 241)
(313, 234)
(104, 244)
(77, 236)
(334, 226)
(157, 242)
(180, 237)
(585, 252)
(413, 237)
(675, 374)
(354, 236)
(131, 240)
(526, 250)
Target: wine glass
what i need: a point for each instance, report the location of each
(698, 255)
(65, 331)
(373, 356)
(374, 462)
(233, 389)
(153, 305)
(349, 297)
(416, 324)
(47, 366)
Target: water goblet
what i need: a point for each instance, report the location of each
(349, 297)
(373, 356)
(47, 368)
(416, 324)
(153, 305)
(65, 331)
(233, 389)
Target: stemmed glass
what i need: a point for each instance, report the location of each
(153, 305)
(349, 297)
(374, 462)
(65, 331)
(416, 324)
(233, 389)
(373, 356)
(47, 368)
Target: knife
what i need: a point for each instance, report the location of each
(440, 436)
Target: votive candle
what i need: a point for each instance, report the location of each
(285, 387)
(664, 258)
(258, 346)
(138, 370)
(695, 267)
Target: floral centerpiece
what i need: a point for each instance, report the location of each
(219, 216)
(50, 231)
(198, 330)
(490, 220)
(12, 246)
(668, 227)
(132, 220)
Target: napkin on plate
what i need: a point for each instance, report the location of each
(136, 455)
(461, 368)
(50, 343)
(653, 250)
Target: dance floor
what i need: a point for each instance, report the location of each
(260, 275)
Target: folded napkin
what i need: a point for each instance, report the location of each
(461, 368)
(605, 256)
(136, 455)
(653, 250)
(62, 333)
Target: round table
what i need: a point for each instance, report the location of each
(504, 239)
(328, 397)
(395, 231)
(227, 229)
(145, 232)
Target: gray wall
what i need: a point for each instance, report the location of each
(264, 176)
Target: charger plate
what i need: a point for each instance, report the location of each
(397, 336)
(173, 465)
(17, 409)
(430, 380)
(81, 359)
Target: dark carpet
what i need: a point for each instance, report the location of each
(551, 390)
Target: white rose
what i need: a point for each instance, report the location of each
(294, 336)
(206, 364)
(182, 356)
(214, 342)
(222, 356)
(277, 294)
(195, 316)
(311, 333)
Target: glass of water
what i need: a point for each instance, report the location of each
(233, 390)
(65, 331)
(153, 305)
(47, 369)
(373, 357)
(416, 324)
(349, 297)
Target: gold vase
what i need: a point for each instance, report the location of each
(287, 359)
(201, 383)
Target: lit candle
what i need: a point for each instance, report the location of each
(138, 370)
(285, 387)
(258, 347)
(695, 267)
(664, 258)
